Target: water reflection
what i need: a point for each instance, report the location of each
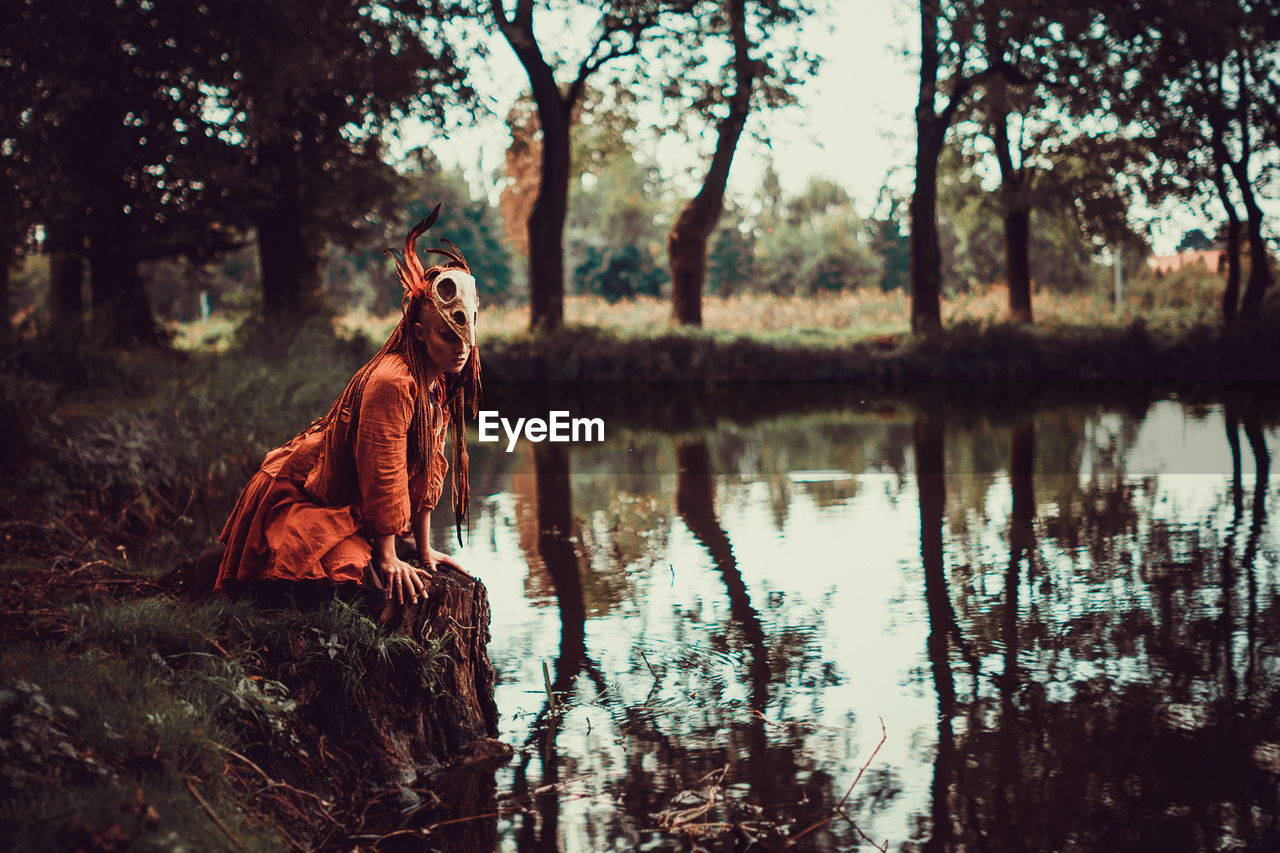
(1067, 621)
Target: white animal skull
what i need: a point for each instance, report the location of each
(454, 295)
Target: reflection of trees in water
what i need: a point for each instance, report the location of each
(767, 455)
(767, 778)
(1108, 711)
(618, 541)
(669, 746)
(1104, 670)
(553, 543)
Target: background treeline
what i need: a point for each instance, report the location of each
(161, 161)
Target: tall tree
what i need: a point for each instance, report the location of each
(1239, 119)
(947, 50)
(1007, 29)
(312, 86)
(1202, 76)
(620, 27)
(764, 80)
(110, 115)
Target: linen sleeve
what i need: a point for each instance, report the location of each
(381, 451)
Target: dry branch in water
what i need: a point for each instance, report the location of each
(839, 809)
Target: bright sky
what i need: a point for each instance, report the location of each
(854, 124)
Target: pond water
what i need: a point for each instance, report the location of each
(1053, 632)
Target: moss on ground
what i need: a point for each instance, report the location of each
(157, 725)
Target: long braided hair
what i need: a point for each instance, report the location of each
(450, 398)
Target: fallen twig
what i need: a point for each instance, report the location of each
(276, 783)
(190, 780)
(839, 808)
(646, 663)
(884, 735)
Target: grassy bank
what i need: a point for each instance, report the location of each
(146, 724)
(966, 352)
(1164, 330)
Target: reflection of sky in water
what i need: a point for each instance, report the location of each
(839, 566)
(1172, 440)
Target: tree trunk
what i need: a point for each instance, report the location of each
(416, 714)
(551, 205)
(1015, 181)
(289, 263)
(428, 728)
(65, 246)
(120, 311)
(1017, 258)
(555, 115)
(546, 219)
(1259, 261)
(1015, 197)
(1231, 294)
(687, 242)
(1259, 258)
(926, 257)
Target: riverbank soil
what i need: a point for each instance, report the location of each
(132, 719)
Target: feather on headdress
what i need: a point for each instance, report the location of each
(450, 286)
(451, 289)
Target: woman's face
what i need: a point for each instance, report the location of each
(445, 349)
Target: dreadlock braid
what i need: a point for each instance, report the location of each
(451, 398)
(421, 426)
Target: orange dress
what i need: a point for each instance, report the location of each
(308, 512)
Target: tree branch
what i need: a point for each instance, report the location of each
(524, 13)
(1242, 109)
(593, 63)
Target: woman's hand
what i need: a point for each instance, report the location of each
(404, 582)
(428, 556)
(434, 558)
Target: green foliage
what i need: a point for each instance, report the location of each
(154, 433)
(892, 244)
(615, 232)
(145, 696)
(469, 221)
(731, 253)
(817, 243)
(85, 770)
(126, 719)
(972, 233)
(337, 639)
(1187, 297)
(1194, 240)
(27, 427)
(619, 272)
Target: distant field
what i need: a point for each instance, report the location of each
(1177, 300)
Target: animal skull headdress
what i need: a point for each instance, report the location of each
(450, 286)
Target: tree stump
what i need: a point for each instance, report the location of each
(407, 722)
(453, 718)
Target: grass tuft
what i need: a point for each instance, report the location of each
(143, 697)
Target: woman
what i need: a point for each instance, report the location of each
(328, 505)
